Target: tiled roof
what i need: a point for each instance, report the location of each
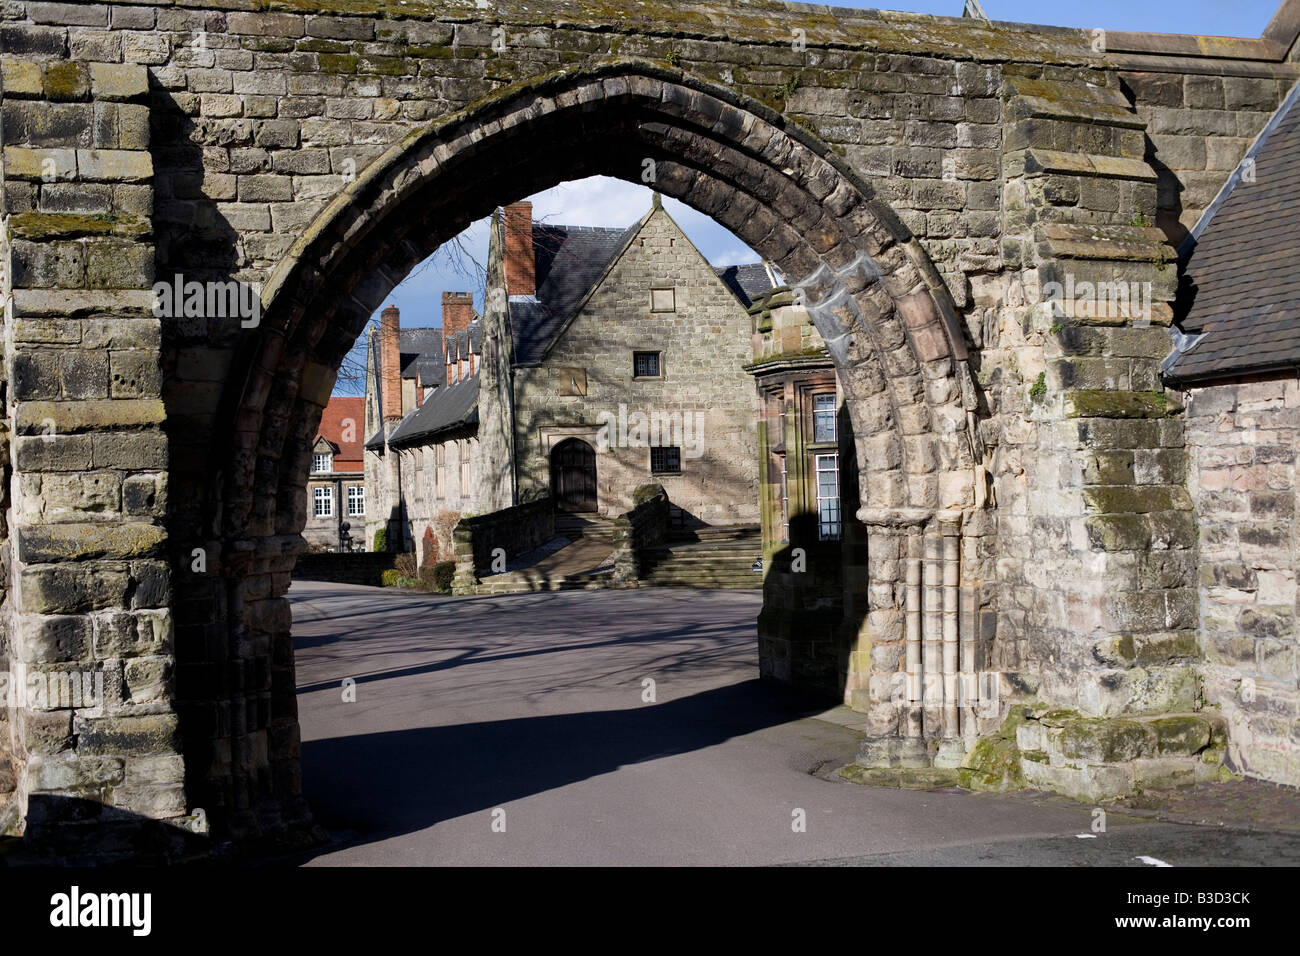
(344, 418)
(1239, 302)
(452, 406)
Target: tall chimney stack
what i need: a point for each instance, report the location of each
(457, 314)
(390, 364)
(521, 267)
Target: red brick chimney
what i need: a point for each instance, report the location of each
(390, 363)
(521, 267)
(457, 314)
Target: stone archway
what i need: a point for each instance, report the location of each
(874, 296)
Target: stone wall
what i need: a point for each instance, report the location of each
(359, 568)
(432, 505)
(921, 178)
(1198, 127)
(702, 389)
(644, 526)
(1242, 442)
(485, 543)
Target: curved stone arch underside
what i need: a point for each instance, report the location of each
(872, 291)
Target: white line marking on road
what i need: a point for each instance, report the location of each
(1152, 861)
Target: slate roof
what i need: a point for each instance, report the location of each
(1238, 310)
(421, 349)
(452, 406)
(747, 281)
(569, 260)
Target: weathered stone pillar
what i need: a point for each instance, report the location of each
(94, 730)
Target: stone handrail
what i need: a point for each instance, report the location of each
(645, 526)
(510, 531)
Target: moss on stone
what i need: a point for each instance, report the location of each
(338, 62)
(430, 52)
(316, 45)
(644, 493)
(1106, 740)
(1115, 403)
(1181, 734)
(1133, 499)
(993, 764)
(66, 80)
(71, 225)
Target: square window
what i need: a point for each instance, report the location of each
(645, 364)
(666, 460)
(824, 418)
(663, 300)
(322, 462)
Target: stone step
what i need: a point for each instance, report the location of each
(579, 582)
(750, 533)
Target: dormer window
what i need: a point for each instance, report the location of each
(322, 462)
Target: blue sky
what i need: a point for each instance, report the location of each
(608, 202)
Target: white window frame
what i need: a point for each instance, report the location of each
(329, 462)
(819, 469)
(834, 412)
(356, 501)
(322, 505)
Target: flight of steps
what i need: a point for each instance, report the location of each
(706, 558)
(529, 581)
(581, 565)
(575, 526)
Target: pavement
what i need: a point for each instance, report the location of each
(630, 727)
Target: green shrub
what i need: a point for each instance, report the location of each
(443, 572)
(404, 582)
(390, 578)
(381, 540)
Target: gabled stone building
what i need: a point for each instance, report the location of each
(594, 370)
(336, 491)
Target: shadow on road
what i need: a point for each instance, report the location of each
(371, 787)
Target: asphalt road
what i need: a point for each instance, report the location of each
(514, 730)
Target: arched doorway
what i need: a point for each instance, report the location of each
(874, 295)
(573, 476)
